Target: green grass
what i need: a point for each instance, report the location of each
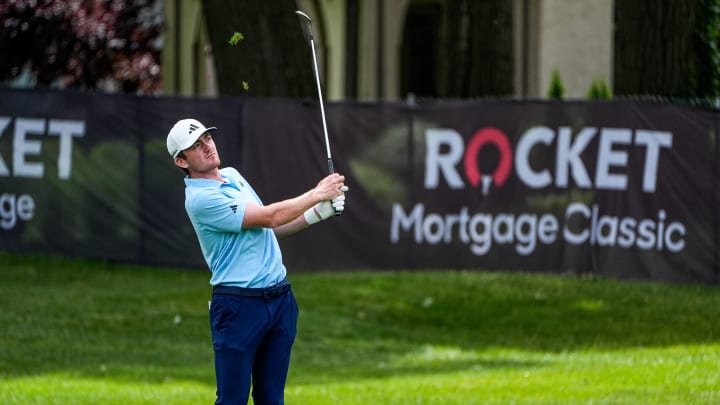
(87, 332)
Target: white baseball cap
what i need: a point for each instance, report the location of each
(184, 134)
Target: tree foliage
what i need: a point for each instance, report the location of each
(557, 88)
(112, 45)
(599, 90)
(708, 42)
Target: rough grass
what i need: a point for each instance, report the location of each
(88, 332)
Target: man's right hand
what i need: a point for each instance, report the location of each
(329, 187)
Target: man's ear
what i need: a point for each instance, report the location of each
(181, 163)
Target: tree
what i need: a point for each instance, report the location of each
(556, 89)
(667, 48)
(82, 44)
(599, 90)
(476, 49)
(707, 42)
(274, 58)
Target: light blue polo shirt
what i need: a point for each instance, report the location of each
(237, 257)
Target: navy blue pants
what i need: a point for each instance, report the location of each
(252, 339)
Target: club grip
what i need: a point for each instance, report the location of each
(331, 168)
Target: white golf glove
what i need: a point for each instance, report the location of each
(319, 212)
(338, 202)
(326, 209)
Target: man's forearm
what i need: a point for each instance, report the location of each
(283, 212)
(292, 227)
(277, 214)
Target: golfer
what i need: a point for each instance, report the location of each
(253, 313)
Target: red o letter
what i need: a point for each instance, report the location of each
(481, 137)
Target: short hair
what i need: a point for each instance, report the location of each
(181, 155)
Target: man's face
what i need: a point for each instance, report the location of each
(201, 157)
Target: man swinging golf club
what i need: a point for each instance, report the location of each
(253, 313)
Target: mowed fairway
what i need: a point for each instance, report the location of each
(87, 332)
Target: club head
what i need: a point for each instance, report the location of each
(300, 13)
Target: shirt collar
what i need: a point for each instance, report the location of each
(206, 183)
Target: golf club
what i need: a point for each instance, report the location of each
(331, 168)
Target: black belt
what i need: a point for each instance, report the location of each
(269, 292)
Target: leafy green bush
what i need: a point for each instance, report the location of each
(557, 89)
(599, 90)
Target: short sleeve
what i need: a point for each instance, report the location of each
(219, 212)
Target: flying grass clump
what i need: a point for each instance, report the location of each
(234, 40)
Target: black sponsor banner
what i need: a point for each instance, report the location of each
(617, 189)
(88, 174)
